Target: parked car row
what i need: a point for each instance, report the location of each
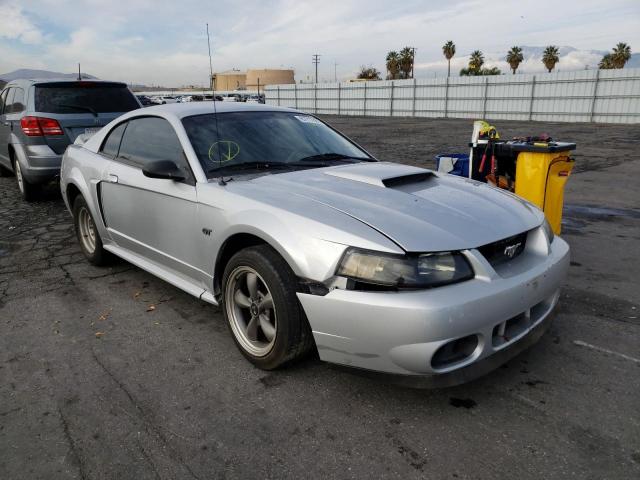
(303, 238)
(146, 100)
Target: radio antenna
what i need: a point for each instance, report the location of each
(221, 180)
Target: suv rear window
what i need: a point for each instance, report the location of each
(78, 97)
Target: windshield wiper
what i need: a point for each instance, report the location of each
(331, 156)
(78, 107)
(250, 166)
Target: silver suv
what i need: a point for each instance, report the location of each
(40, 118)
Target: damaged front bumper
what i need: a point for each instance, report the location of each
(454, 333)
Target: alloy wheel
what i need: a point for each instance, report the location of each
(19, 178)
(251, 311)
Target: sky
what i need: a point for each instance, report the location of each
(156, 42)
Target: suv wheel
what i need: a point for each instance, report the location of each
(87, 233)
(262, 310)
(29, 191)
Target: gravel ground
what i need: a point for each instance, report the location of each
(96, 384)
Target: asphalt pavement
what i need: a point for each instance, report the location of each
(112, 373)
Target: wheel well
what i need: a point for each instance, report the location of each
(72, 193)
(230, 247)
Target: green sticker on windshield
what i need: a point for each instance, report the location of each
(225, 149)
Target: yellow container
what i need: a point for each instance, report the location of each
(540, 178)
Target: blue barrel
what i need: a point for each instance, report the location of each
(460, 163)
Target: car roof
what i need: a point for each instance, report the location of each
(182, 110)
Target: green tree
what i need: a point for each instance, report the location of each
(514, 58)
(393, 65)
(369, 73)
(476, 60)
(550, 57)
(606, 63)
(406, 62)
(621, 55)
(449, 50)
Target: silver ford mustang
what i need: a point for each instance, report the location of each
(308, 242)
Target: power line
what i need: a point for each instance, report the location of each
(316, 60)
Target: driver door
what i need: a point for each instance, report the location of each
(152, 218)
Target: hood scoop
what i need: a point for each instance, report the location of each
(382, 174)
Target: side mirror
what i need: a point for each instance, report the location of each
(165, 169)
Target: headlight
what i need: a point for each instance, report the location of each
(404, 271)
(548, 231)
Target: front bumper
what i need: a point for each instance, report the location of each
(401, 332)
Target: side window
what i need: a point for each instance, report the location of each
(8, 103)
(150, 139)
(3, 96)
(18, 101)
(111, 145)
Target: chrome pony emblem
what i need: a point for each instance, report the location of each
(511, 250)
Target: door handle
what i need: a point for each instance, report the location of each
(112, 178)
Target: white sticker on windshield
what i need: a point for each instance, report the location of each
(308, 119)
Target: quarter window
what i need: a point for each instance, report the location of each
(3, 96)
(150, 139)
(112, 143)
(18, 101)
(8, 100)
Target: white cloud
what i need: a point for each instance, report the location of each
(15, 25)
(145, 41)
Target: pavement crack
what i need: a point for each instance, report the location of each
(149, 423)
(72, 445)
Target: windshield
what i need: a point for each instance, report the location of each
(81, 97)
(263, 138)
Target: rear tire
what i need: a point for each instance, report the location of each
(262, 310)
(87, 234)
(29, 191)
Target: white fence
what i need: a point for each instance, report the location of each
(603, 96)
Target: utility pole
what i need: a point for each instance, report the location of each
(316, 61)
(413, 60)
(79, 74)
(335, 71)
(210, 65)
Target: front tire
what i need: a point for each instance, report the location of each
(262, 310)
(29, 191)
(87, 233)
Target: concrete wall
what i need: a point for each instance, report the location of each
(603, 96)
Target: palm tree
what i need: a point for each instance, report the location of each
(476, 60)
(606, 63)
(621, 54)
(406, 62)
(550, 57)
(449, 50)
(393, 65)
(514, 58)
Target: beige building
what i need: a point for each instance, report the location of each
(249, 80)
(229, 80)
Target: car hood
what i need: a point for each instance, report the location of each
(420, 210)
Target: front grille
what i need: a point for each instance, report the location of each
(505, 250)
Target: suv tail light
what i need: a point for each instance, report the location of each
(40, 126)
